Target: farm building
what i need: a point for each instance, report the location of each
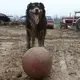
(4, 18)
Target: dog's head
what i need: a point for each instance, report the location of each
(35, 11)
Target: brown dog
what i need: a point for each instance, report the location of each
(36, 24)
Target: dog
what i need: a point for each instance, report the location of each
(36, 24)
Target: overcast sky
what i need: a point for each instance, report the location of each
(53, 7)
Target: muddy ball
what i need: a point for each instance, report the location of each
(37, 62)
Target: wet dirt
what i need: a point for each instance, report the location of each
(63, 43)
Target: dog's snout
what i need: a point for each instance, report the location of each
(36, 10)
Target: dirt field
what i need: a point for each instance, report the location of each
(64, 44)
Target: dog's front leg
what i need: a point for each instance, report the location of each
(33, 38)
(33, 41)
(28, 39)
(41, 38)
(41, 41)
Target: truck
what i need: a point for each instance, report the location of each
(71, 21)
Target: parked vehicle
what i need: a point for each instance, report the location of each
(66, 21)
(71, 21)
(4, 18)
(50, 22)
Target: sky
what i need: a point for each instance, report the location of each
(52, 7)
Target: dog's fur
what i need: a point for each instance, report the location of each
(35, 24)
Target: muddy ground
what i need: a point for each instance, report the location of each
(63, 43)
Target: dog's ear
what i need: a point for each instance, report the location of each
(27, 10)
(42, 5)
(28, 6)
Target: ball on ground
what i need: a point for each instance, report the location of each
(37, 62)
